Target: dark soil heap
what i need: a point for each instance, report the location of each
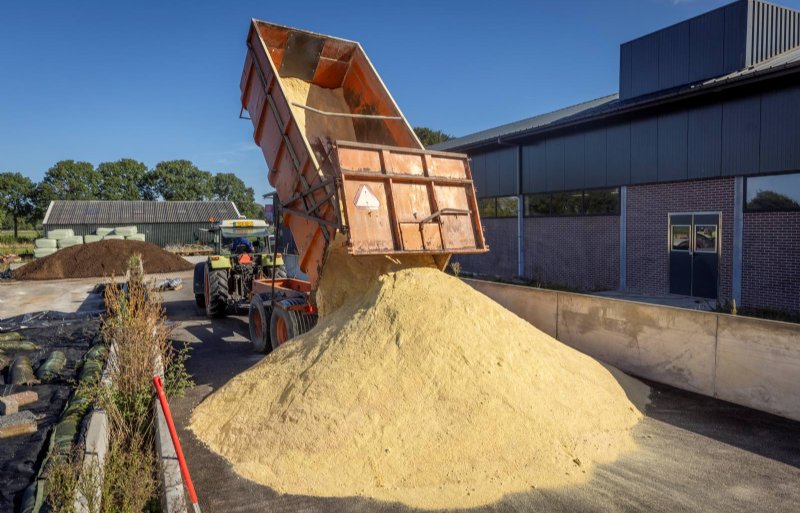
(102, 258)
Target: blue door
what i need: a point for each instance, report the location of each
(694, 254)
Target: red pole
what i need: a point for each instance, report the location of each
(187, 479)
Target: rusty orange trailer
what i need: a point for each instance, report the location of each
(382, 191)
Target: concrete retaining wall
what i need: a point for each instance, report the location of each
(752, 362)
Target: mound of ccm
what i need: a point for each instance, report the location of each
(416, 388)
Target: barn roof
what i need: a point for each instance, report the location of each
(138, 212)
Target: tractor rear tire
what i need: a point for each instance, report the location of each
(199, 284)
(288, 324)
(258, 322)
(216, 293)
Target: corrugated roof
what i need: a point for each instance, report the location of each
(117, 213)
(609, 104)
(523, 125)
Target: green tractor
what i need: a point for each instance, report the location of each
(243, 252)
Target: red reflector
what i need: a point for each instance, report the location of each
(214, 258)
(310, 309)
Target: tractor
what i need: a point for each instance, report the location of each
(243, 252)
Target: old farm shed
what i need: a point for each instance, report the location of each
(162, 222)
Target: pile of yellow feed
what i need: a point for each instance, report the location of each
(415, 388)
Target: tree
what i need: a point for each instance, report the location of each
(177, 180)
(767, 201)
(67, 180)
(229, 187)
(121, 180)
(428, 136)
(16, 197)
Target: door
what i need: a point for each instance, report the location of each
(694, 254)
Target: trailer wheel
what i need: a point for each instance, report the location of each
(288, 324)
(259, 324)
(216, 292)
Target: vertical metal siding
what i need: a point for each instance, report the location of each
(774, 30)
(574, 161)
(534, 167)
(618, 163)
(735, 36)
(741, 128)
(478, 168)
(644, 65)
(625, 71)
(672, 146)
(706, 46)
(595, 157)
(644, 150)
(673, 56)
(492, 174)
(780, 131)
(705, 141)
(555, 163)
(508, 179)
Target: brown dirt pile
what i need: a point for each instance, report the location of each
(98, 259)
(328, 100)
(416, 388)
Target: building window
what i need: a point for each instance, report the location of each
(777, 193)
(575, 203)
(537, 204)
(487, 207)
(504, 206)
(602, 201)
(507, 206)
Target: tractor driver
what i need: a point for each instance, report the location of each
(241, 245)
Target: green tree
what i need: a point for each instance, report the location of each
(121, 180)
(229, 187)
(772, 201)
(428, 136)
(16, 197)
(177, 180)
(67, 180)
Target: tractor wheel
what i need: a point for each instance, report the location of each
(200, 299)
(287, 324)
(258, 322)
(216, 292)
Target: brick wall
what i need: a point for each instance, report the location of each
(771, 261)
(580, 252)
(501, 260)
(648, 209)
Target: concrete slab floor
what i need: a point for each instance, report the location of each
(695, 453)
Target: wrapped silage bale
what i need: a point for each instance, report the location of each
(43, 252)
(125, 231)
(102, 232)
(60, 234)
(70, 241)
(136, 236)
(45, 243)
(88, 239)
(113, 237)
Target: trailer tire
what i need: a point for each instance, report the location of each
(216, 292)
(259, 323)
(288, 324)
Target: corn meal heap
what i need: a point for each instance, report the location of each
(416, 388)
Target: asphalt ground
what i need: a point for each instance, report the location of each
(695, 453)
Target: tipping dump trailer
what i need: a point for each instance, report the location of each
(350, 168)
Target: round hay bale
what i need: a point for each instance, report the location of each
(45, 243)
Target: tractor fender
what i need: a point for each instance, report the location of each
(219, 262)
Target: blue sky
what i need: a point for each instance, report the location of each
(159, 80)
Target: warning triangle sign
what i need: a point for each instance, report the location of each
(366, 199)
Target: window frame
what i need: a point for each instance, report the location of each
(747, 187)
(583, 213)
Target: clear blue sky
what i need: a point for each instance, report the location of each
(158, 80)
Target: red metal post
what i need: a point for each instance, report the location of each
(187, 479)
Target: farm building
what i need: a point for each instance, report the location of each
(162, 222)
(685, 182)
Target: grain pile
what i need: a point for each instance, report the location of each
(98, 259)
(328, 100)
(421, 390)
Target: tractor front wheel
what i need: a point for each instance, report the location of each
(216, 292)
